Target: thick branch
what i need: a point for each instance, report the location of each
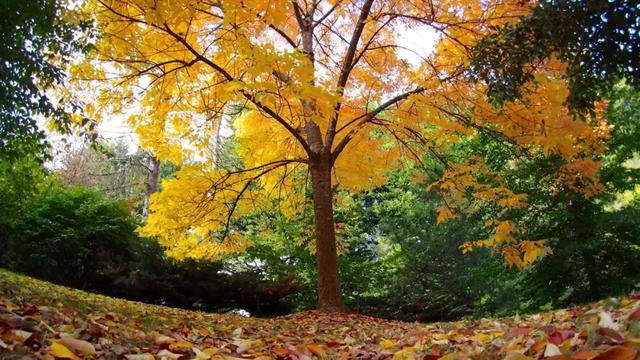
(364, 118)
(347, 66)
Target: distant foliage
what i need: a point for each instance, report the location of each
(37, 38)
(598, 41)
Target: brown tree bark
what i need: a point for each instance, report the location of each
(152, 184)
(329, 293)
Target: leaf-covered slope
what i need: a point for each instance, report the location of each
(48, 321)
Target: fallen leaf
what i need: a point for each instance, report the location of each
(551, 350)
(243, 346)
(211, 351)
(182, 344)
(166, 354)
(60, 351)
(617, 353)
(634, 315)
(163, 340)
(145, 356)
(607, 322)
(81, 346)
(517, 356)
(317, 350)
(556, 338)
(611, 334)
(201, 355)
(584, 355)
(387, 344)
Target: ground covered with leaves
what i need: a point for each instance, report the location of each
(45, 321)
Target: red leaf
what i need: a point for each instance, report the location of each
(556, 338)
(635, 315)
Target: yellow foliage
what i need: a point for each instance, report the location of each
(185, 72)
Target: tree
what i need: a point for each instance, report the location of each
(108, 168)
(316, 91)
(599, 40)
(37, 39)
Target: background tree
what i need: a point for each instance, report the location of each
(324, 98)
(598, 40)
(112, 169)
(37, 39)
(106, 167)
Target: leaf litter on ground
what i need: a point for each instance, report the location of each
(45, 321)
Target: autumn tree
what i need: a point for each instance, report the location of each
(317, 92)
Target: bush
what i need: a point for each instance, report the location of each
(71, 236)
(77, 237)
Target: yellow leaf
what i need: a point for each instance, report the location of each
(406, 354)
(81, 346)
(387, 344)
(60, 351)
(182, 344)
(211, 351)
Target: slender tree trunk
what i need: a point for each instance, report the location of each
(152, 184)
(329, 293)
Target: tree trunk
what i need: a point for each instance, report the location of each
(152, 184)
(329, 293)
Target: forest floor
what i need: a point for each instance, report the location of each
(45, 321)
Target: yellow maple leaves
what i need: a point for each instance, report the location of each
(186, 74)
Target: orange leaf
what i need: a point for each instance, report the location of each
(584, 355)
(617, 353)
(317, 350)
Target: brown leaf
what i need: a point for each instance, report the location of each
(163, 340)
(611, 334)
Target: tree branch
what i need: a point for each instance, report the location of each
(346, 67)
(364, 118)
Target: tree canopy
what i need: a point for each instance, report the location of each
(37, 38)
(316, 92)
(599, 41)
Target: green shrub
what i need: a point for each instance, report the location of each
(71, 236)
